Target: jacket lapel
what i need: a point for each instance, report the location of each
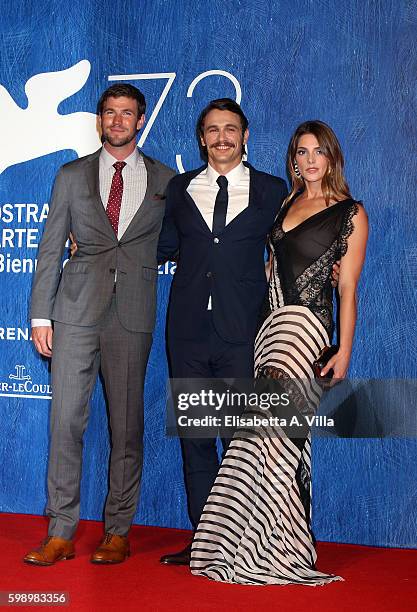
(93, 182)
(151, 190)
(255, 192)
(190, 176)
(152, 180)
(255, 198)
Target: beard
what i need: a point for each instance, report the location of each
(118, 140)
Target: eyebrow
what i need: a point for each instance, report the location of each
(305, 148)
(112, 108)
(215, 125)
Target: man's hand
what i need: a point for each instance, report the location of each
(74, 247)
(335, 272)
(42, 339)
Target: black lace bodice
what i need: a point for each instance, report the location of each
(304, 257)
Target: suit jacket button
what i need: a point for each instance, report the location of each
(216, 240)
(208, 274)
(112, 270)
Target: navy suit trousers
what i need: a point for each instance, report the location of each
(208, 357)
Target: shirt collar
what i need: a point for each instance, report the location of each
(108, 160)
(233, 177)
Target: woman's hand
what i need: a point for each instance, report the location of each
(73, 245)
(335, 274)
(339, 363)
(268, 267)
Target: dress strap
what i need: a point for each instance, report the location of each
(347, 227)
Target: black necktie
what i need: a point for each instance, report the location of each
(220, 206)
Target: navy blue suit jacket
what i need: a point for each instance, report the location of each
(230, 269)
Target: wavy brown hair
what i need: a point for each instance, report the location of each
(334, 185)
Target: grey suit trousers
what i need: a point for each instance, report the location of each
(78, 354)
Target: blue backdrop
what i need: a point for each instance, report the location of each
(348, 63)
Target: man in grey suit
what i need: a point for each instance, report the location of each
(103, 313)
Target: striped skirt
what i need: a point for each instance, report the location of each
(255, 527)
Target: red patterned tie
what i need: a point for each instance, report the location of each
(115, 196)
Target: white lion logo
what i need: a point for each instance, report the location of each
(39, 129)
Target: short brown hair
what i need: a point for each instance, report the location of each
(123, 90)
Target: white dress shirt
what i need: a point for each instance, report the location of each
(203, 189)
(134, 185)
(135, 181)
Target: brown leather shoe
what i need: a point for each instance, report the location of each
(180, 558)
(112, 549)
(52, 549)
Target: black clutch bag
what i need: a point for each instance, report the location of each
(325, 355)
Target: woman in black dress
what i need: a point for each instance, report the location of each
(255, 528)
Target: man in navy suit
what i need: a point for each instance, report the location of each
(217, 218)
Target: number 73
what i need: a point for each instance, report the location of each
(170, 77)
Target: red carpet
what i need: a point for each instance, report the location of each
(376, 579)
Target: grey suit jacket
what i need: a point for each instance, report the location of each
(82, 293)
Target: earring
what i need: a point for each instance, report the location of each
(297, 170)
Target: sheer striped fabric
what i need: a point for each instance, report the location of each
(255, 527)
